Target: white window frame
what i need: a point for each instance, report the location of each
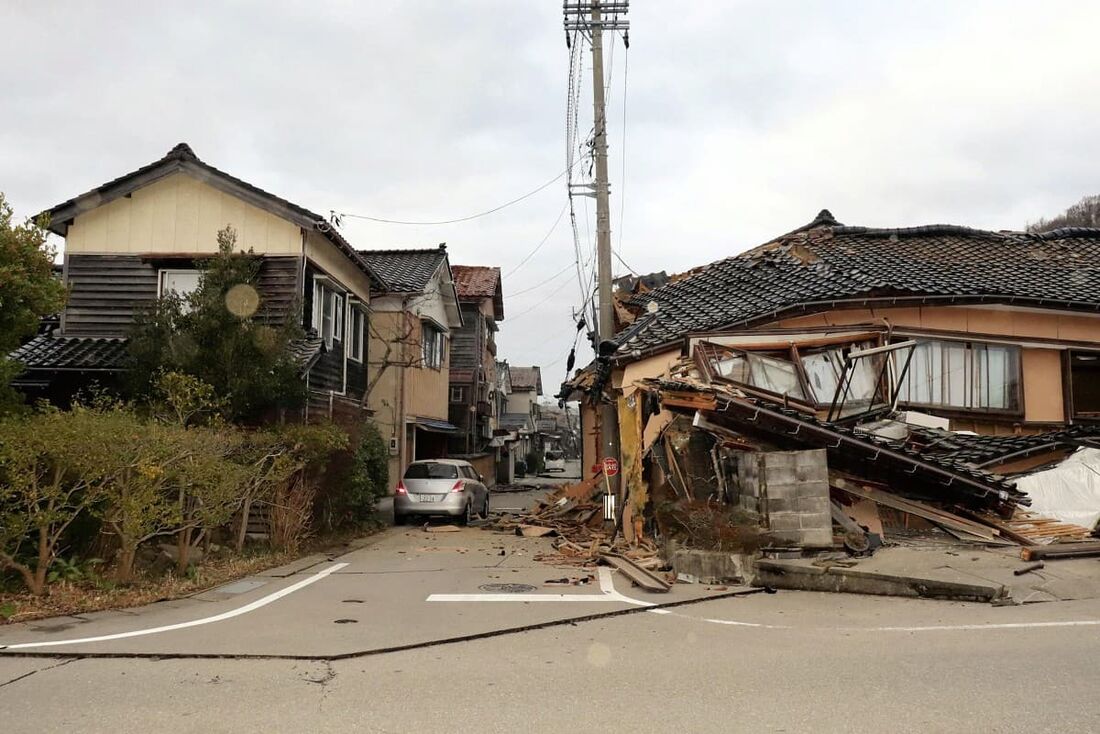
(337, 317)
(433, 345)
(356, 322)
(460, 390)
(176, 271)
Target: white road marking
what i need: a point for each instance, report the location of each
(607, 594)
(250, 607)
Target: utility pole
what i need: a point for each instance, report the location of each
(603, 15)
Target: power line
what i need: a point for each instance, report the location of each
(540, 244)
(622, 154)
(544, 300)
(552, 278)
(487, 212)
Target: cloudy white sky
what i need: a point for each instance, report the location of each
(743, 119)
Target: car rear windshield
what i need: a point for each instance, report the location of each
(551, 456)
(431, 470)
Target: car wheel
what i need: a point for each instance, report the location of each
(400, 520)
(485, 509)
(467, 514)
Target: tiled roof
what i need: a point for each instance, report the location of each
(406, 271)
(182, 158)
(814, 266)
(307, 350)
(526, 378)
(978, 450)
(72, 353)
(480, 281)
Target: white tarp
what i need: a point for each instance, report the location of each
(1069, 492)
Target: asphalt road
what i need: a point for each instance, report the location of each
(408, 634)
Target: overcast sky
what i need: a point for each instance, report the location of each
(743, 119)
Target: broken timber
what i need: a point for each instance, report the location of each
(932, 514)
(640, 576)
(1060, 550)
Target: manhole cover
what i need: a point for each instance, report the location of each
(347, 621)
(507, 588)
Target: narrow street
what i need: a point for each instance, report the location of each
(463, 624)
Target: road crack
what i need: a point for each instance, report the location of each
(39, 670)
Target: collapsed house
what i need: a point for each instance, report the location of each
(839, 384)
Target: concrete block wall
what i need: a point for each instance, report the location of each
(790, 491)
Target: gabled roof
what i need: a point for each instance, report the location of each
(475, 282)
(526, 378)
(182, 159)
(826, 264)
(406, 271)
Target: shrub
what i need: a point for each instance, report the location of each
(51, 471)
(370, 474)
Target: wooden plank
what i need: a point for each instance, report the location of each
(640, 576)
(915, 508)
(1060, 550)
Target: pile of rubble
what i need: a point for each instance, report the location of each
(573, 517)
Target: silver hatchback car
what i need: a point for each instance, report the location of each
(448, 487)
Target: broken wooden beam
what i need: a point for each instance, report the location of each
(638, 575)
(1060, 550)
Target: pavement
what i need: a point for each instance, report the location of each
(458, 631)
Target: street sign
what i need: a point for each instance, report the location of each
(610, 466)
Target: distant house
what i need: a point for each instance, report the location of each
(473, 361)
(413, 326)
(526, 389)
(145, 233)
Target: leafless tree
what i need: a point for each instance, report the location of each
(1085, 213)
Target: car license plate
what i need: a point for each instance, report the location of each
(428, 497)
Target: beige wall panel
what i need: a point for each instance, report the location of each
(1079, 328)
(1028, 323)
(161, 199)
(427, 392)
(897, 316)
(990, 321)
(325, 255)
(943, 319)
(1042, 370)
(187, 218)
(179, 214)
(118, 221)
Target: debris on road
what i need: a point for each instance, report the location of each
(1028, 568)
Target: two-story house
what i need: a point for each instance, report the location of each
(473, 362)
(133, 239)
(413, 324)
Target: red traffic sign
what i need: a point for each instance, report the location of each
(610, 466)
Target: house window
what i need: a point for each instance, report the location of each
(963, 376)
(458, 395)
(433, 344)
(328, 313)
(356, 330)
(181, 282)
(1085, 384)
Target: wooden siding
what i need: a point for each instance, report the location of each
(106, 292)
(466, 341)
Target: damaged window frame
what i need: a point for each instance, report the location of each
(837, 406)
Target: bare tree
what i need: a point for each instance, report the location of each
(404, 348)
(1085, 213)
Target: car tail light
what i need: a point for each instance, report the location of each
(459, 486)
(401, 488)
